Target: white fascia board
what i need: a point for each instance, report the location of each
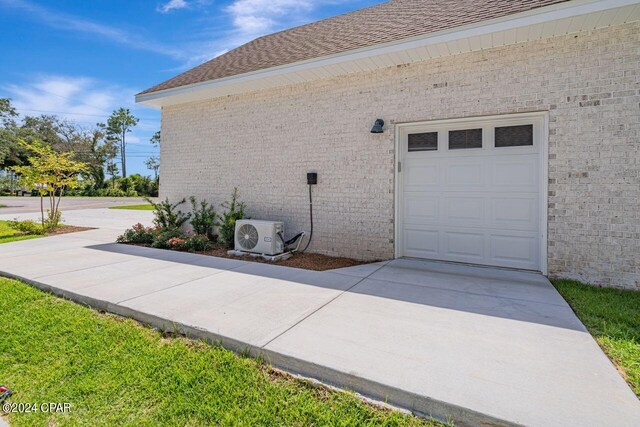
(530, 18)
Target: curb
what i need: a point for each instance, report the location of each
(388, 395)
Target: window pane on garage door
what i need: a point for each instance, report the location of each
(514, 136)
(426, 141)
(468, 138)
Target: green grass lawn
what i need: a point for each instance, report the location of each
(2, 206)
(613, 318)
(146, 207)
(114, 371)
(8, 234)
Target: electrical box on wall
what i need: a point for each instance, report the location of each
(312, 178)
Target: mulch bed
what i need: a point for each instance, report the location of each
(64, 229)
(305, 260)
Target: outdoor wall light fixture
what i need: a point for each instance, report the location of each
(377, 127)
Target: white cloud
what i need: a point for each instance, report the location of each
(82, 100)
(249, 19)
(217, 30)
(69, 22)
(172, 5)
(252, 18)
(77, 99)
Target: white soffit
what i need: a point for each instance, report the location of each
(544, 22)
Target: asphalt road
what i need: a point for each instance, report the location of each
(32, 204)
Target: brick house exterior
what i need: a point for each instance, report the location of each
(265, 141)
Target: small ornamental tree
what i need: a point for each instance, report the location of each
(50, 173)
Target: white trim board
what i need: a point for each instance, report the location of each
(542, 118)
(555, 20)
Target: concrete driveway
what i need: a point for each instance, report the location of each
(484, 346)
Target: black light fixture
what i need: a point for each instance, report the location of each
(377, 127)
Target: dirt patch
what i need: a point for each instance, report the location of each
(64, 229)
(306, 260)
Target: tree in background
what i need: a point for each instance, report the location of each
(8, 125)
(112, 170)
(155, 139)
(11, 153)
(89, 146)
(118, 125)
(94, 147)
(153, 162)
(48, 130)
(97, 152)
(50, 173)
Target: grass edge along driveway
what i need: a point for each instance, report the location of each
(612, 316)
(9, 234)
(146, 207)
(115, 371)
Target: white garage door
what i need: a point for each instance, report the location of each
(472, 191)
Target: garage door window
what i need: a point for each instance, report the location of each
(514, 136)
(427, 141)
(468, 138)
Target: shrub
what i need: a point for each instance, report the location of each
(176, 243)
(166, 238)
(131, 186)
(27, 227)
(204, 218)
(197, 243)
(234, 210)
(167, 215)
(138, 234)
(112, 192)
(164, 235)
(52, 220)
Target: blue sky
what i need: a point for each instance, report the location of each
(82, 59)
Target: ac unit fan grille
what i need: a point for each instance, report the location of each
(247, 236)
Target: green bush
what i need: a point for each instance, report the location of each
(165, 238)
(177, 243)
(52, 220)
(27, 227)
(167, 215)
(132, 186)
(168, 219)
(113, 192)
(164, 235)
(234, 210)
(197, 243)
(204, 218)
(138, 234)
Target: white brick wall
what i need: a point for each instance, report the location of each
(265, 142)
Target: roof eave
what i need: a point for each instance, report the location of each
(544, 22)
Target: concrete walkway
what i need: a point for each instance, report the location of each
(481, 345)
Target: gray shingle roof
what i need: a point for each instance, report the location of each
(386, 22)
